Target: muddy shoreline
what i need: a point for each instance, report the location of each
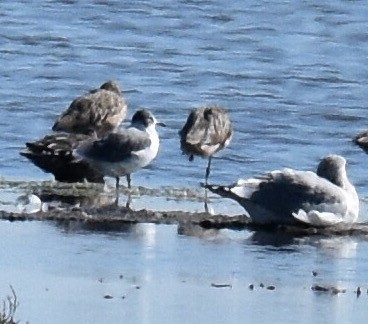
(115, 217)
(92, 204)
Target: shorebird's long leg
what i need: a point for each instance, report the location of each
(117, 191)
(129, 180)
(129, 200)
(208, 169)
(206, 200)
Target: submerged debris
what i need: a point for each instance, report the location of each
(225, 285)
(320, 288)
(333, 290)
(262, 285)
(108, 296)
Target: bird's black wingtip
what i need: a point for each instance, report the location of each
(25, 153)
(213, 188)
(55, 127)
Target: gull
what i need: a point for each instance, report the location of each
(206, 131)
(121, 154)
(54, 154)
(101, 110)
(30, 203)
(362, 140)
(289, 196)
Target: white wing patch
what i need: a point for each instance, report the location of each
(317, 218)
(245, 188)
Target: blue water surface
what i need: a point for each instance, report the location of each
(293, 76)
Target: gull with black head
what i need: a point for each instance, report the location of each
(207, 130)
(101, 111)
(121, 154)
(293, 197)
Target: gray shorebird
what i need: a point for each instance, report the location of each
(206, 131)
(121, 154)
(289, 197)
(101, 110)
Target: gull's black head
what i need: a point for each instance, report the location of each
(145, 118)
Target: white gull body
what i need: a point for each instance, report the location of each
(289, 197)
(121, 154)
(30, 203)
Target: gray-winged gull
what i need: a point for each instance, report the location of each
(54, 154)
(288, 196)
(206, 131)
(120, 154)
(101, 110)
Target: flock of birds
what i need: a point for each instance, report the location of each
(88, 144)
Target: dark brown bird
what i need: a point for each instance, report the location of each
(53, 154)
(101, 111)
(207, 130)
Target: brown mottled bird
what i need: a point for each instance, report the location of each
(207, 130)
(101, 111)
(54, 154)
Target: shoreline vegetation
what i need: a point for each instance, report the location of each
(9, 308)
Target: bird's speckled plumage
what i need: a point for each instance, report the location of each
(54, 154)
(206, 131)
(101, 110)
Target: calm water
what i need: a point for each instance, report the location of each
(293, 76)
(154, 275)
